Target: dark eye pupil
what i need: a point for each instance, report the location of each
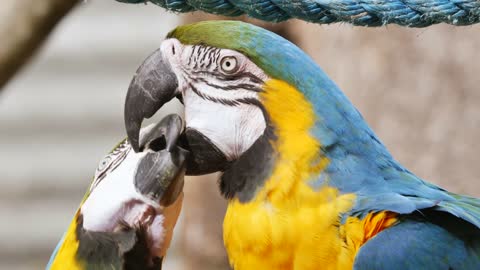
(227, 63)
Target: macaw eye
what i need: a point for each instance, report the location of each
(229, 64)
(110, 162)
(104, 163)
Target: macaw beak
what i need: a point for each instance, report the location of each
(157, 173)
(153, 85)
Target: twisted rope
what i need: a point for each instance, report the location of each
(411, 13)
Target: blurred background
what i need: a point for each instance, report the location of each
(63, 111)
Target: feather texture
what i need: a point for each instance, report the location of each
(355, 164)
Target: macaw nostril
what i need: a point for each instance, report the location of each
(158, 144)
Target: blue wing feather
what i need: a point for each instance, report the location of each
(446, 243)
(382, 184)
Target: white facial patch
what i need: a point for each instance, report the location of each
(107, 202)
(220, 89)
(233, 129)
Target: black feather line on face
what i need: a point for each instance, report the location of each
(240, 86)
(227, 102)
(190, 57)
(212, 56)
(201, 56)
(229, 77)
(213, 99)
(116, 156)
(204, 55)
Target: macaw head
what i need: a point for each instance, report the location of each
(126, 218)
(246, 92)
(218, 85)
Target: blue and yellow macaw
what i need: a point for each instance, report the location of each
(127, 216)
(309, 185)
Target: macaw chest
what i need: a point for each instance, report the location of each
(294, 235)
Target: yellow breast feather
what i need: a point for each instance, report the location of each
(289, 225)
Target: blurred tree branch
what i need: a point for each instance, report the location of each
(24, 25)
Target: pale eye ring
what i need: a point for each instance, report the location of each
(104, 163)
(229, 64)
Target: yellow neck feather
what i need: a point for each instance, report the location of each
(292, 117)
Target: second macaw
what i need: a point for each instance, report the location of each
(309, 185)
(126, 219)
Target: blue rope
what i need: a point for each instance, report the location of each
(411, 13)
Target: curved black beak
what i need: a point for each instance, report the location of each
(159, 174)
(153, 85)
